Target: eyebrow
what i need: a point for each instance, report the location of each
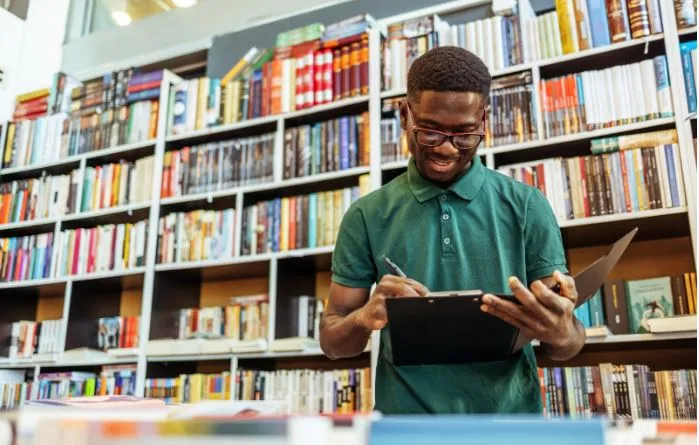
(431, 123)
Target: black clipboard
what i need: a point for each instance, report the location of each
(450, 328)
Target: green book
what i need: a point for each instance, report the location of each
(646, 299)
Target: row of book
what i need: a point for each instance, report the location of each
(26, 257)
(190, 388)
(195, 236)
(616, 390)
(117, 332)
(120, 107)
(32, 337)
(591, 100)
(688, 53)
(333, 145)
(624, 181)
(626, 306)
(592, 24)
(244, 318)
(111, 247)
(117, 184)
(13, 395)
(300, 316)
(631, 306)
(394, 142)
(218, 166)
(327, 67)
(52, 138)
(295, 222)
(108, 112)
(111, 380)
(39, 198)
(496, 40)
(309, 391)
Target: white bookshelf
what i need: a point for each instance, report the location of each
(155, 206)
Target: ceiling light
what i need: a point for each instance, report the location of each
(121, 18)
(184, 3)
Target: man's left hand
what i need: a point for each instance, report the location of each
(543, 314)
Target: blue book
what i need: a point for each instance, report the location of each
(671, 173)
(599, 24)
(688, 71)
(582, 313)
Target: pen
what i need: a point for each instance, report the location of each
(395, 270)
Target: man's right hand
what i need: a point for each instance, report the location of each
(372, 316)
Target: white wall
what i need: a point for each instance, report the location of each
(30, 51)
(172, 34)
(11, 36)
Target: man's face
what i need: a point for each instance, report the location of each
(449, 112)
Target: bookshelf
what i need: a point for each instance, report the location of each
(155, 287)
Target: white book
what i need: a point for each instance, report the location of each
(663, 178)
(679, 174)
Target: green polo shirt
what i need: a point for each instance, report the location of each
(483, 229)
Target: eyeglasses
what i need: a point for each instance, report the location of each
(434, 138)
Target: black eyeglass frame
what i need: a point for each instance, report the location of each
(445, 135)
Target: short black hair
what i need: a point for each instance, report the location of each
(448, 68)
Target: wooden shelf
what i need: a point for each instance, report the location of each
(222, 129)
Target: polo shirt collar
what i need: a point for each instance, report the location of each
(466, 187)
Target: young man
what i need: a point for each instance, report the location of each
(450, 223)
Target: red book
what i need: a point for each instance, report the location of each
(364, 65)
(346, 65)
(327, 76)
(337, 74)
(319, 77)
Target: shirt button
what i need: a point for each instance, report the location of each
(447, 241)
(443, 197)
(445, 217)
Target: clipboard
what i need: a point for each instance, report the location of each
(454, 330)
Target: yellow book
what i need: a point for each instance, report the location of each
(284, 229)
(566, 26)
(8, 143)
(24, 97)
(240, 65)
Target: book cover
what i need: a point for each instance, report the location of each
(646, 299)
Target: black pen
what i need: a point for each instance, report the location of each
(395, 270)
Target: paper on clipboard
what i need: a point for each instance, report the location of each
(590, 279)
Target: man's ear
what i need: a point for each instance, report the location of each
(403, 110)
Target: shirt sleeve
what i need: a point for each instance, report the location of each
(352, 263)
(543, 242)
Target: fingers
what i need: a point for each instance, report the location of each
(567, 283)
(507, 311)
(393, 286)
(529, 300)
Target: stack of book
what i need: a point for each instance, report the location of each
(26, 257)
(117, 184)
(327, 146)
(630, 391)
(100, 249)
(309, 391)
(28, 338)
(592, 100)
(39, 198)
(295, 222)
(117, 332)
(308, 66)
(245, 318)
(195, 236)
(190, 388)
(635, 173)
(218, 166)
